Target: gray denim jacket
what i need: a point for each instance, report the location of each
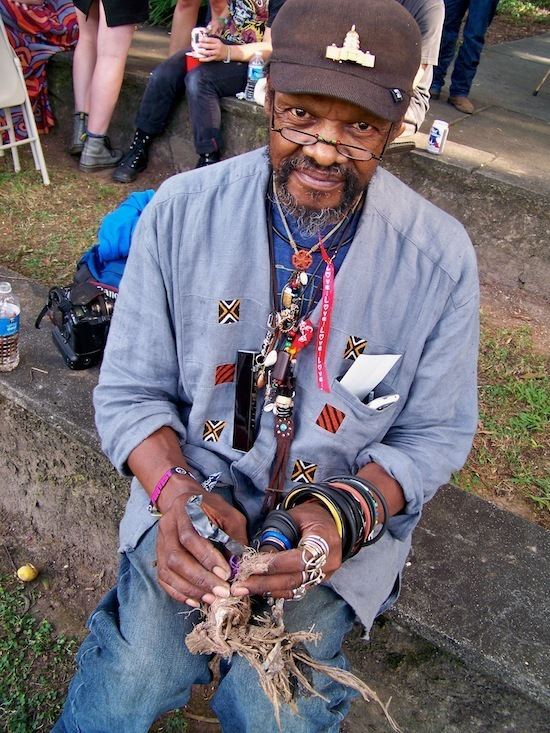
(196, 289)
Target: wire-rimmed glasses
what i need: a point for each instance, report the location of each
(298, 137)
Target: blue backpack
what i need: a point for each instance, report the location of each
(81, 312)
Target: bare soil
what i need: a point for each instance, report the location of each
(503, 30)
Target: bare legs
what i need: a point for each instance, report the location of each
(183, 21)
(98, 68)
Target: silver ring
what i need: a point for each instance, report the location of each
(314, 553)
(299, 592)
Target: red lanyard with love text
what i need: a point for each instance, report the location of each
(323, 329)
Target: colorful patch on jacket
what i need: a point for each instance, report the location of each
(303, 472)
(228, 310)
(355, 347)
(213, 430)
(224, 373)
(330, 418)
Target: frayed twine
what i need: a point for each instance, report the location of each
(276, 654)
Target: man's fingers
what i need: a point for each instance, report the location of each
(189, 580)
(182, 592)
(228, 518)
(202, 550)
(184, 564)
(273, 584)
(288, 561)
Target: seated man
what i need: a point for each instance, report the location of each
(221, 73)
(309, 255)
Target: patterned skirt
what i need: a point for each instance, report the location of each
(36, 34)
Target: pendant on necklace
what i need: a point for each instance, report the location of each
(302, 260)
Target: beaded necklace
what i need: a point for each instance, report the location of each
(288, 332)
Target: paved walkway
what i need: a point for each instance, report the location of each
(508, 136)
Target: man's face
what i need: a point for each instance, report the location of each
(318, 177)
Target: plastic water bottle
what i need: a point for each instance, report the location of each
(10, 310)
(255, 73)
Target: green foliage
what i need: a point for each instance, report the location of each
(35, 664)
(161, 11)
(536, 11)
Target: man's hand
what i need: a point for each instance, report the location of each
(189, 568)
(285, 571)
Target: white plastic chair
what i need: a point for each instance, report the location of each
(13, 93)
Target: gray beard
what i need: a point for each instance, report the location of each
(311, 221)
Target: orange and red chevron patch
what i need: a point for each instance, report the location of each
(330, 418)
(224, 373)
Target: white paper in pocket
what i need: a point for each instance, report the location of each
(366, 372)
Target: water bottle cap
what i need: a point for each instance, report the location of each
(5, 288)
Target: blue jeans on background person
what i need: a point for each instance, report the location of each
(205, 86)
(134, 665)
(480, 15)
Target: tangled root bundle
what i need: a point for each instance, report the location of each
(277, 655)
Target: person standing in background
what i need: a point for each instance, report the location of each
(480, 16)
(106, 31)
(36, 31)
(429, 14)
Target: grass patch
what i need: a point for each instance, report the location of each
(35, 664)
(44, 231)
(521, 11)
(511, 449)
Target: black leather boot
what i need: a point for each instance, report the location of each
(135, 160)
(208, 159)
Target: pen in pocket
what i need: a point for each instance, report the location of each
(380, 403)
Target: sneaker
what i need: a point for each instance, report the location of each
(98, 154)
(135, 160)
(462, 104)
(80, 123)
(208, 159)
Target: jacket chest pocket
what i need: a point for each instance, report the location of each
(334, 427)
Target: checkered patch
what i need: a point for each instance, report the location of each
(330, 418)
(354, 347)
(304, 472)
(228, 310)
(212, 430)
(224, 373)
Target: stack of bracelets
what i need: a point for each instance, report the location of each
(279, 532)
(354, 506)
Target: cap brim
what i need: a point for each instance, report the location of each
(293, 78)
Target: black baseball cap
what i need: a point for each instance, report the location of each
(304, 31)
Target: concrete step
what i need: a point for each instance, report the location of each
(469, 630)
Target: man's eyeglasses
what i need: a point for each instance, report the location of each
(308, 138)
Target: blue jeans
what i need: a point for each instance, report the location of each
(134, 665)
(480, 15)
(205, 85)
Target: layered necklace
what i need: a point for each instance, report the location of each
(288, 332)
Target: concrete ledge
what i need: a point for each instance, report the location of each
(476, 585)
(507, 221)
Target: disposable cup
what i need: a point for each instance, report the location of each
(191, 60)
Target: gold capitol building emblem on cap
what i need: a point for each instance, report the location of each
(350, 51)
